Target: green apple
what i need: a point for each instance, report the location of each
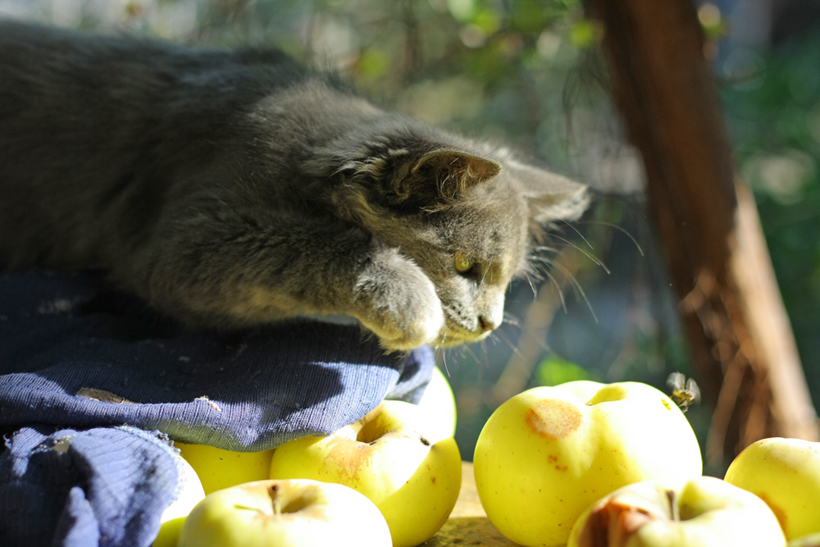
(438, 404)
(700, 512)
(546, 454)
(291, 513)
(189, 493)
(218, 468)
(413, 482)
(785, 473)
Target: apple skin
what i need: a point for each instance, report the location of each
(218, 468)
(811, 540)
(413, 482)
(785, 473)
(305, 514)
(546, 454)
(190, 493)
(438, 404)
(700, 512)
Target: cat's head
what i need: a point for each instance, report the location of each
(463, 212)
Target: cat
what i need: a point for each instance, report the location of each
(231, 189)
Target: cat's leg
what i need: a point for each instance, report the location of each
(233, 273)
(397, 301)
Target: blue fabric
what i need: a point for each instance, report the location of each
(70, 345)
(104, 486)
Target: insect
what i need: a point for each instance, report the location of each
(684, 392)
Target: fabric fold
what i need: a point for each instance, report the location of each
(93, 383)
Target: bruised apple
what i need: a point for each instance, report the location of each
(702, 512)
(291, 513)
(386, 457)
(546, 454)
(785, 473)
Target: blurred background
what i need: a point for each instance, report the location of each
(530, 73)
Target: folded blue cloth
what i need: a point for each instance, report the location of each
(77, 355)
(104, 486)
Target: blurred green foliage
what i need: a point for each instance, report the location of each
(555, 370)
(773, 114)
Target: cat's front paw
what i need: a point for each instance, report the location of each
(398, 302)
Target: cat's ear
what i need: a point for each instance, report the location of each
(447, 174)
(549, 196)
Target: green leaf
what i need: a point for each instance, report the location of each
(555, 370)
(586, 33)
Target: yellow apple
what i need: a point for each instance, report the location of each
(546, 454)
(218, 468)
(297, 513)
(785, 473)
(438, 404)
(811, 540)
(700, 512)
(412, 481)
(189, 493)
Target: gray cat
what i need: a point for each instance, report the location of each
(231, 189)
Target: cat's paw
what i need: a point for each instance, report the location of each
(398, 302)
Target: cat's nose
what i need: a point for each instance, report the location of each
(485, 323)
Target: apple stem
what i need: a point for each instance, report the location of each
(673, 505)
(273, 492)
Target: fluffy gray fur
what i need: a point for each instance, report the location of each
(231, 189)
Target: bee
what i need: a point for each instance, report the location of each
(684, 392)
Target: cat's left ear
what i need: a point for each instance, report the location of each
(452, 172)
(549, 196)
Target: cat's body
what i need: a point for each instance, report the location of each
(237, 188)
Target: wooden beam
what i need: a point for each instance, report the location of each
(742, 345)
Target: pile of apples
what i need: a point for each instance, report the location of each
(585, 464)
(582, 464)
(389, 479)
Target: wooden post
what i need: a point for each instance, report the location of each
(741, 341)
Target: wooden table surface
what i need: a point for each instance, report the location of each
(468, 523)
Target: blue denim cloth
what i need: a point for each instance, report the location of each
(76, 354)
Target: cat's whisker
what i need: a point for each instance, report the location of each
(578, 288)
(573, 228)
(484, 352)
(537, 275)
(590, 256)
(616, 227)
(549, 249)
(444, 338)
(483, 276)
(468, 349)
(557, 288)
(540, 279)
(514, 347)
(440, 346)
(554, 281)
(531, 267)
(444, 362)
(510, 319)
(534, 292)
(531, 333)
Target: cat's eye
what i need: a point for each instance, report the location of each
(464, 262)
